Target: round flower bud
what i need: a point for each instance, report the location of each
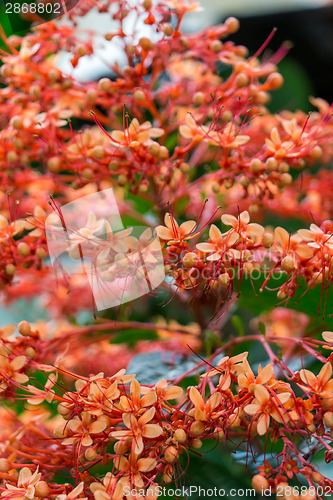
(167, 478)
(90, 454)
(180, 436)
(259, 483)
(105, 84)
(139, 95)
(316, 153)
(99, 152)
(30, 352)
(4, 465)
(122, 179)
(281, 295)
(328, 419)
(284, 167)
(286, 179)
(271, 164)
(23, 249)
(256, 165)
(198, 98)
(167, 29)
(232, 24)
(267, 240)
(171, 454)
(197, 428)
(275, 80)
(145, 43)
(147, 4)
(16, 122)
(6, 71)
(41, 253)
(185, 167)
(64, 411)
(224, 279)
(316, 477)
(154, 148)
(12, 156)
(53, 164)
(10, 269)
(190, 259)
(24, 328)
(163, 153)
(41, 489)
(218, 435)
(196, 443)
(241, 80)
(288, 264)
(216, 46)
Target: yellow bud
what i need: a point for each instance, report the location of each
(180, 436)
(171, 454)
(267, 240)
(23, 249)
(41, 489)
(259, 483)
(288, 264)
(4, 465)
(24, 328)
(197, 428)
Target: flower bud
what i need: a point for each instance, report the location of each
(4, 465)
(23, 249)
(99, 152)
(232, 24)
(16, 122)
(328, 419)
(196, 443)
(53, 164)
(180, 436)
(190, 259)
(259, 483)
(256, 165)
(42, 489)
(10, 269)
(224, 279)
(24, 328)
(171, 454)
(267, 240)
(275, 80)
(197, 428)
(90, 454)
(288, 264)
(146, 44)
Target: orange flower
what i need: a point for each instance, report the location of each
(264, 406)
(9, 370)
(226, 366)
(110, 489)
(136, 133)
(322, 385)
(166, 392)
(26, 485)
(205, 411)
(242, 226)
(137, 429)
(134, 469)
(173, 233)
(249, 381)
(133, 401)
(219, 244)
(83, 428)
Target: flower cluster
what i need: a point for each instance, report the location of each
(146, 431)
